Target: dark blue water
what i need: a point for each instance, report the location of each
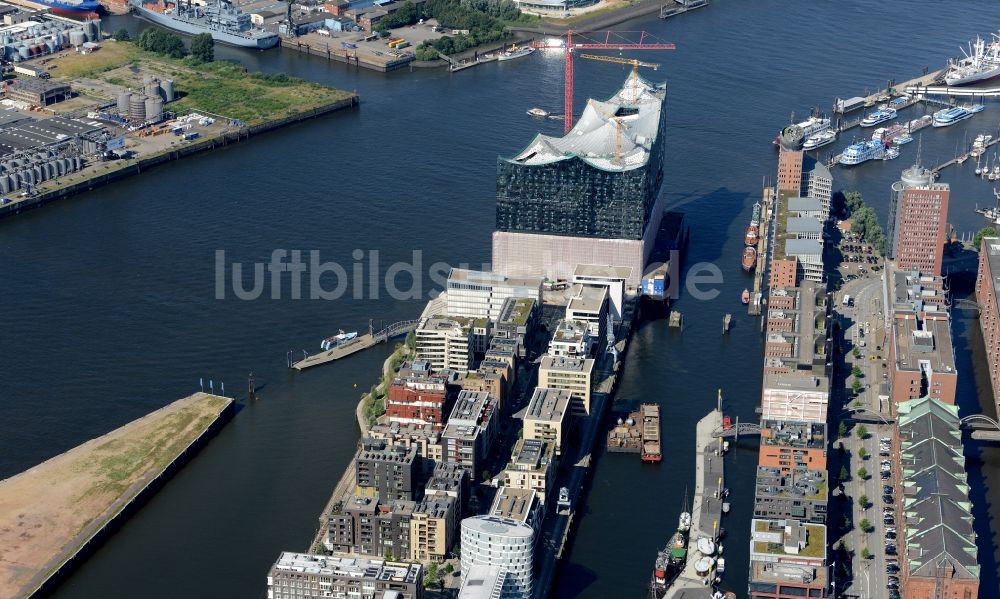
(109, 309)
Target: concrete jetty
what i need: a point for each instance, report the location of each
(706, 512)
(55, 514)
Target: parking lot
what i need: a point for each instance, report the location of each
(858, 258)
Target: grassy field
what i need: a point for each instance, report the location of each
(47, 512)
(219, 88)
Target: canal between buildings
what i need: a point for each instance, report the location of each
(109, 305)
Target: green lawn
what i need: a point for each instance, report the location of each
(220, 88)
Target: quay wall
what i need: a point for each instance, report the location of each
(99, 533)
(128, 168)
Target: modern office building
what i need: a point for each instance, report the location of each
(790, 170)
(545, 416)
(445, 343)
(509, 544)
(424, 438)
(590, 304)
(483, 582)
(921, 357)
(470, 431)
(987, 283)
(818, 184)
(572, 339)
(532, 467)
(939, 555)
(571, 374)
(790, 446)
(590, 197)
(306, 576)
(481, 294)
(432, 528)
(418, 395)
(520, 505)
(787, 559)
(798, 396)
(614, 278)
(516, 322)
(385, 472)
(800, 495)
(918, 221)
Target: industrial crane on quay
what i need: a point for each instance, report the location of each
(613, 40)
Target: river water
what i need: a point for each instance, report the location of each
(110, 309)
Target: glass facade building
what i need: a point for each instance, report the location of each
(601, 180)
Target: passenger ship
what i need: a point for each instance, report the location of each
(950, 116)
(863, 152)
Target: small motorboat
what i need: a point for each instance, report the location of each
(745, 297)
(538, 112)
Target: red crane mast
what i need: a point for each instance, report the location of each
(613, 40)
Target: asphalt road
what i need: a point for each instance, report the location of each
(864, 327)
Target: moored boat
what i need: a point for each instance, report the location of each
(879, 116)
(670, 560)
(808, 127)
(980, 63)
(950, 116)
(862, 152)
(339, 340)
(515, 51)
(820, 139)
(901, 140)
(745, 297)
(749, 260)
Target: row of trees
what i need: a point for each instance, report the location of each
(485, 21)
(864, 221)
(165, 43)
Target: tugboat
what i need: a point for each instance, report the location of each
(749, 258)
(670, 561)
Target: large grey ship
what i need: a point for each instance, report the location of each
(226, 22)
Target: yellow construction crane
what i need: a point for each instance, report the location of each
(635, 69)
(618, 130)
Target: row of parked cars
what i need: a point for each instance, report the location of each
(889, 519)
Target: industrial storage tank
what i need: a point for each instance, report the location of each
(90, 29)
(77, 37)
(154, 109)
(167, 85)
(124, 99)
(137, 107)
(39, 173)
(153, 89)
(77, 163)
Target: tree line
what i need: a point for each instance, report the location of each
(165, 43)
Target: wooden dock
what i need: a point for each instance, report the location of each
(357, 344)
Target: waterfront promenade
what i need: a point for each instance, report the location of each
(54, 514)
(706, 510)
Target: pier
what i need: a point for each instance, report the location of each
(357, 344)
(557, 527)
(763, 247)
(706, 510)
(54, 515)
(680, 7)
